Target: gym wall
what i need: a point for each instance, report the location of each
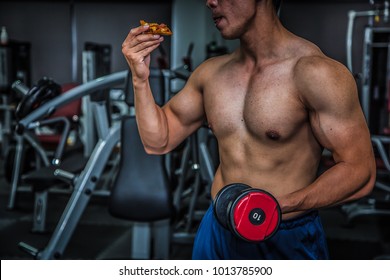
(325, 24)
(47, 25)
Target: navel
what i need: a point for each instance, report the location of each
(272, 134)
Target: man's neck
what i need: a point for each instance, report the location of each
(261, 43)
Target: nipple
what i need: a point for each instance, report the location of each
(273, 135)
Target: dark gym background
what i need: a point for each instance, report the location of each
(58, 30)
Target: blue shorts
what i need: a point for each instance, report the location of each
(296, 239)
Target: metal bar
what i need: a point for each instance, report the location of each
(74, 94)
(84, 187)
(73, 34)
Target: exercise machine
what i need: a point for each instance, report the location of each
(186, 173)
(142, 190)
(96, 62)
(42, 92)
(84, 183)
(374, 76)
(196, 163)
(375, 101)
(15, 64)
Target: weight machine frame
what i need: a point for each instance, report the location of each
(86, 181)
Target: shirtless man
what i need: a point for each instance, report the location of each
(273, 104)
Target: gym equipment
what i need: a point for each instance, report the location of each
(251, 214)
(40, 93)
(380, 9)
(84, 183)
(42, 177)
(375, 70)
(7, 109)
(145, 198)
(142, 192)
(14, 65)
(127, 199)
(96, 62)
(375, 93)
(376, 78)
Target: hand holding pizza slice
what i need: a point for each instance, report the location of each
(155, 28)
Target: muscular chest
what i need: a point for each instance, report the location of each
(265, 106)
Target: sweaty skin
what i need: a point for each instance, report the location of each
(273, 104)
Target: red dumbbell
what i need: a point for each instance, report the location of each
(251, 214)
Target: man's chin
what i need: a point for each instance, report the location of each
(228, 36)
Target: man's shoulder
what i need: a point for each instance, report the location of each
(211, 66)
(308, 56)
(216, 61)
(318, 77)
(316, 67)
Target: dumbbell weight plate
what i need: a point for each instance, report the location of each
(224, 198)
(255, 215)
(45, 90)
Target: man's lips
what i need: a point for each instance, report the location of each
(217, 20)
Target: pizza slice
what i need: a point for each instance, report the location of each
(155, 28)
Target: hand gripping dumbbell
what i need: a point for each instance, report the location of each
(251, 214)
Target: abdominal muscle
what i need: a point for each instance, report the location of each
(278, 170)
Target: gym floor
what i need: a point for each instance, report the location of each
(101, 236)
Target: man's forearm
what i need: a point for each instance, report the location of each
(339, 184)
(151, 120)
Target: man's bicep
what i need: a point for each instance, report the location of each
(343, 131)
(346, 136)
(335, 112)
(184, 113)
(339, 124)
(337, 121)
